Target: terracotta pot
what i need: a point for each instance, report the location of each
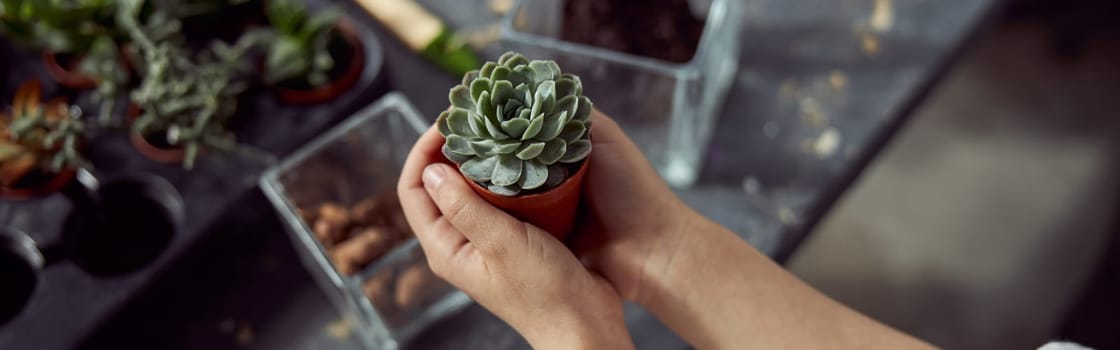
(162, 155)
(342, 83)
(68, 75)
(41, 188)
(554, 211)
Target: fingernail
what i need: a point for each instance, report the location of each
(434, 175)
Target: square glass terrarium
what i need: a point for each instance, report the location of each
(668, 109)
(392, 296)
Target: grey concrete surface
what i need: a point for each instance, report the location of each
(979, 225)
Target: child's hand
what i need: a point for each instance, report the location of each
(516, 270)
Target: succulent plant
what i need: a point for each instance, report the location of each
(300, 45)
(514, 124)
(41, 136)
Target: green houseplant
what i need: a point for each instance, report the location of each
(38, 144)
(520, 131)
(77, 38)
(183, 102)
(311, 58)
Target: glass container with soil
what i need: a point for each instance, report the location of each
(337, 197)
(661, 68)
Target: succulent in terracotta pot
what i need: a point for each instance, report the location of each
(520, 131)
(311, 58)
(38, 144)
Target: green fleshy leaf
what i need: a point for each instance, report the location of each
(501, 92)
(506, 56)
(485, 105)
(525, 114)
(534, 128)
(542, 70)
(479, 170)
(523, 93)
(534, 176)
(569, 104)
(508, 170)
(545, 97)
(454, 157)
(556, 175)
(530, 151)
(441, 124)
(577, 151)
(505, 191)
(494, 126)
(553, 151)
(508, 147)
(500, 73)
(515, 127)
(478, 127)
(487, 69)
(469, 77)
(460, 145)
(553, 125)
(460, 96)
(567, 88)
(522, 75)
(483, 148)
(573, 131)
(516, 60)
(478, 87)
(583, 112)
(459, 122)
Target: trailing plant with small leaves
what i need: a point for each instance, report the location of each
(300, 43)
(186, 101)
(515, 123)
(40, 136)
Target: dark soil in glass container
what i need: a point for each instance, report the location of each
(661, 29)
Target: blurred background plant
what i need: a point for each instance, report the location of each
(299, 43)
(39, 136)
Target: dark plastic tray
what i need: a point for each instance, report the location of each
(69, 303)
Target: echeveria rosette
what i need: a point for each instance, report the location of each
(515, 125)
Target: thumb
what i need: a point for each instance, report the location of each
(488, 228)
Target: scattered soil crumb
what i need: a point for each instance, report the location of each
(838, 80)
(786, 216)
(870, 44)
(813, 113)
(827, 143)
(340, 329)
(882, 16)
(244, 335)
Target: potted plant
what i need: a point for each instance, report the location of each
(519, 130)
(182, 107)
(71, 34)
(311, 58)
(38, 145)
